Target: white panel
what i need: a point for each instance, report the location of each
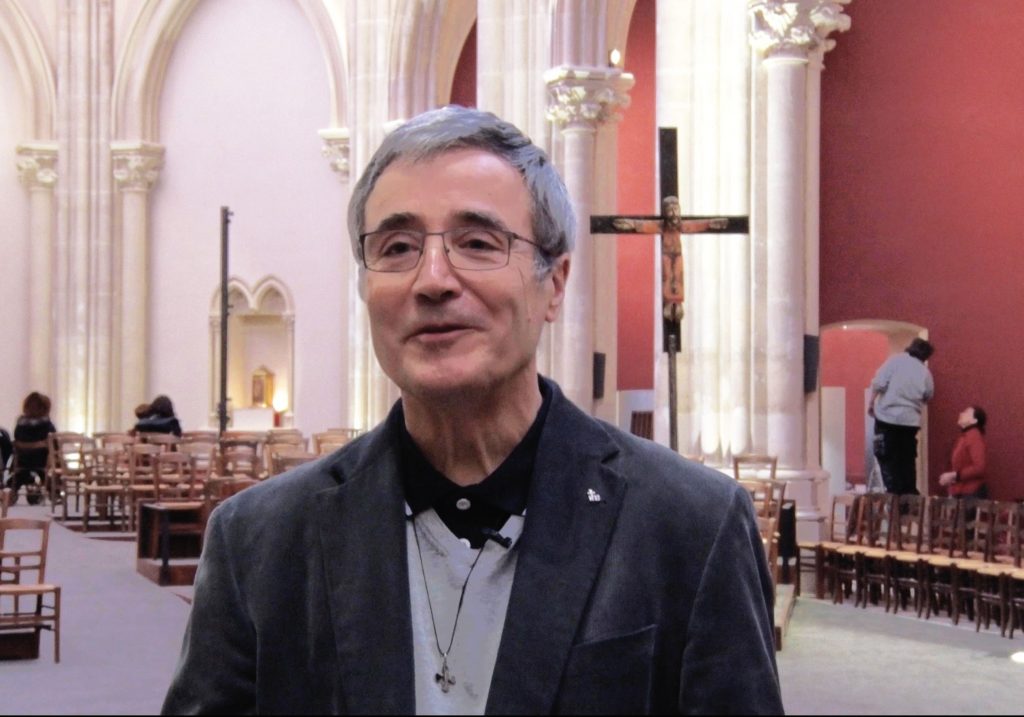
(833, 436)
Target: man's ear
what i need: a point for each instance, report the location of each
(559, 275)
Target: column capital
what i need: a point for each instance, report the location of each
(795, 28)
(36, 161)
(586, 96)
(136, 165)
(337, 144)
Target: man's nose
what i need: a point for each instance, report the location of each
(434, 275)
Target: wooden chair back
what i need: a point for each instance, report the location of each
(942, 525)
(166, 441)
(174, 477)
(975, 527)
(754, 465)
(23, 605)
(239, 461)
(908, 523)
(23, 545)
(877, 528)
(199, 436)
(5, 501)
(204, 457)
(288, 460)
(767, 495)
(641, 423)
(840, 516)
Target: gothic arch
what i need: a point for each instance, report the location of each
(139, 78)
(434, 34)
(35, 72)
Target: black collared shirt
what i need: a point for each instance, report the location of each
(471, 512)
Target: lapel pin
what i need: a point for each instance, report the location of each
(593, 496)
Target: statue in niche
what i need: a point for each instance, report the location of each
(262, 387)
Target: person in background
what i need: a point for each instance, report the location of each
(900, 389)
(30, 446)
(159, 418)
(966, 477)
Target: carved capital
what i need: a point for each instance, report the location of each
(136, 165)
(795, 28)
(336, 150)
(36, 162)
(586, 96)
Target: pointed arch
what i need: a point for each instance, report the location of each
(431, 33)
(35, 71)
(139, 78)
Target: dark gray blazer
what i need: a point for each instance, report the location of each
(655, 599)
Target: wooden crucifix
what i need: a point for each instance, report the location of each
(670, 224)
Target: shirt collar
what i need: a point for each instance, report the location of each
(504, 492)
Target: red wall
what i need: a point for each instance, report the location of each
(637, 195)
(849, 359)
(922, 217)
(464, 81)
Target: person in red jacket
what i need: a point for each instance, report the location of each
(967, 464)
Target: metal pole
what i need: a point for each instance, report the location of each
(222, 405)
(673, 417)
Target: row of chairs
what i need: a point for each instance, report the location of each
(111, 472)
(963, 556)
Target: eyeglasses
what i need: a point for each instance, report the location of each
(467, 248)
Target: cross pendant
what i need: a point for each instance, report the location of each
(446, 679)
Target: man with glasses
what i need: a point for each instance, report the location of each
(489, 546)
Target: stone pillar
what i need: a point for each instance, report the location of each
(787, 34)
(581, 100)
(136, 166)
(36, 161)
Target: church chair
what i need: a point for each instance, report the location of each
(641, 423)
(24, 448)
(873, 579)
(942, 533)
(174, 478)
(282, 440)
(333, 438)
(141, 457)
(326, 442)
(5, 501)
(287, 460)
(840, 561)
(810, 555)
(72, 453)
(252, 440)
(24, 592)
(107, 483)
(976, 532)
(105, 439)
(767, 526)
(204, 457)
(239, 461)
(905, 561)
(752, 465)
(202, 436)
(992, 578)
(166, 441)
(222, 487)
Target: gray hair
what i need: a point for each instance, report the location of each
(453, 127)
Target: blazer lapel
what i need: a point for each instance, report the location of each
(574, 501)
(362, 533)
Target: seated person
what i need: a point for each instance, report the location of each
(30, 448)
(159, 418)
(966, 477)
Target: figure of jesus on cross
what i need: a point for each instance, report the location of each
(671, 225)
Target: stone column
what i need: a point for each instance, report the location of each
(581, 100)
(36, 161)
(136, 166)
(787, 34)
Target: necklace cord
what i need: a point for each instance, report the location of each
(426, 589)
